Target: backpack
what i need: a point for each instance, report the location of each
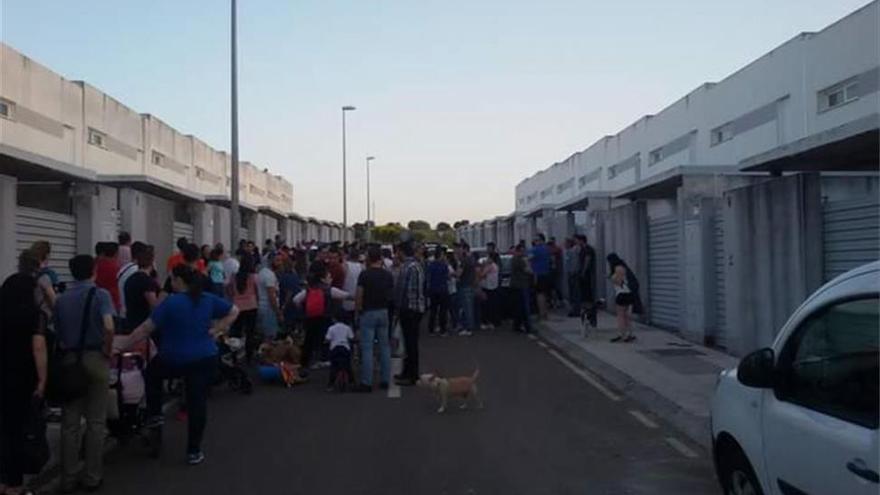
(317, 302)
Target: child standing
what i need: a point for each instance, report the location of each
(216, 271)
(339, 337)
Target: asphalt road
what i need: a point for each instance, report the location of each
(544, 430)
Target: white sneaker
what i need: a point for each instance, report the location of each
(465, 333)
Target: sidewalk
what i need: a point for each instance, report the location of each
(669, 376)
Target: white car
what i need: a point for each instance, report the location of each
(801, 417)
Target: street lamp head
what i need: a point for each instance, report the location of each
(348, 108)
(371, 158)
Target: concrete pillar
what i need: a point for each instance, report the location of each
(8, 206)
(626, 233)
(86, 205)
(133, 208)
(203, 224)
(698, 270)
(253, 228)
(222, 226)
(570, 226)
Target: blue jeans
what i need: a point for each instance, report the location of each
(466, 296)
(374, 323)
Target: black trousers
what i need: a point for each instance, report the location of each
(14, 413)
(340, 360)
(439, 303)
(409, 324)
(246, 326)
(316, 330)
(197, 377)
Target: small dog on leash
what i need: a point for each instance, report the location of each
(463, 387)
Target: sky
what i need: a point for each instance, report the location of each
(457, 100)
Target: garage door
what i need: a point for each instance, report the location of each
(664, 274)
(183, 230)
(720, 332)
(850, 234)
(33, 225)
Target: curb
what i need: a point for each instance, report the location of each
(696, 429)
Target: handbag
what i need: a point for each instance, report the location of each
(70, 381)
(35, 454)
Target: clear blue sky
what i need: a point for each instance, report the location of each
(458, 100)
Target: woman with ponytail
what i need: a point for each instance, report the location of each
(189, 320)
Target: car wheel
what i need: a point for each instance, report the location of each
(737, 475)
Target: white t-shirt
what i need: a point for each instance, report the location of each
(453, 281)
(265, 279)
(490, 281)
(352, 272)
(339, 334)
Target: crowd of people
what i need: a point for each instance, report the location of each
(336, 298)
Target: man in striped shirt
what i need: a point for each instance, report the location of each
(410, 299)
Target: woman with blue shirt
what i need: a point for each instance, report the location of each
(189, 321)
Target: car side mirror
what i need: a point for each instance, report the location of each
(756, 369)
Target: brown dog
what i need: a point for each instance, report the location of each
(279, 351)
(463, 387)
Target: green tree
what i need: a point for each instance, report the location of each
(415, 225)
(460, 223)
(443, 227)
(388, 234)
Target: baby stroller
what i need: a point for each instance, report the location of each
(231, 372)
(127, 410)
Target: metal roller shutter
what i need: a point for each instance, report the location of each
(181, 229)
(850, 234)
(33, 225)
(664, 274)
(720, 333)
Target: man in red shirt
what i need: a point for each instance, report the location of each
(177, 258)
(106, 268)
(337, 271)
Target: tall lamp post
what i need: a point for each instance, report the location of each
(233, 205)
(369, 228)
(347, 108)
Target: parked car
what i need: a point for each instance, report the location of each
(801, 416)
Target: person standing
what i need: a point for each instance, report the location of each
(438, 291)
(353, 268)
(23, 368)
(520, 284)
(125, 272)
(454, 304)
(106, 269)
(190, 319)
(125, 254)
(539, 257)
(141, 290)
(574, 276)
(317, 300)
(374, 291)
(268, 303)
(467, 280)
(410, 297)
(289, 284)
(241, 289)
(626, 297)
(489, 286)
(588, 278)
(84, 324)
(216, 272)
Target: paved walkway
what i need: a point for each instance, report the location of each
(669, 376)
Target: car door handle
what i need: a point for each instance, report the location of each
(858, 467)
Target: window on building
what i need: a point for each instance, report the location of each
(838, 95)
(157, 158)
(7, 108)
(655, 156)
(722, 133)
(97, 138)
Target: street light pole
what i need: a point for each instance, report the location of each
(369, 228)
(233, 206)
(347, 108)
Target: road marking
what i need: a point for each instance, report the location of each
(542, 344)
(681, 448)
(584, 376)
(643, 419)
(393, 388)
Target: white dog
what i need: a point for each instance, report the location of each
(464, 387)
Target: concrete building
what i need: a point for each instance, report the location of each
(77, 166)
(736, 201)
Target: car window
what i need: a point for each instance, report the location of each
(831, 362)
